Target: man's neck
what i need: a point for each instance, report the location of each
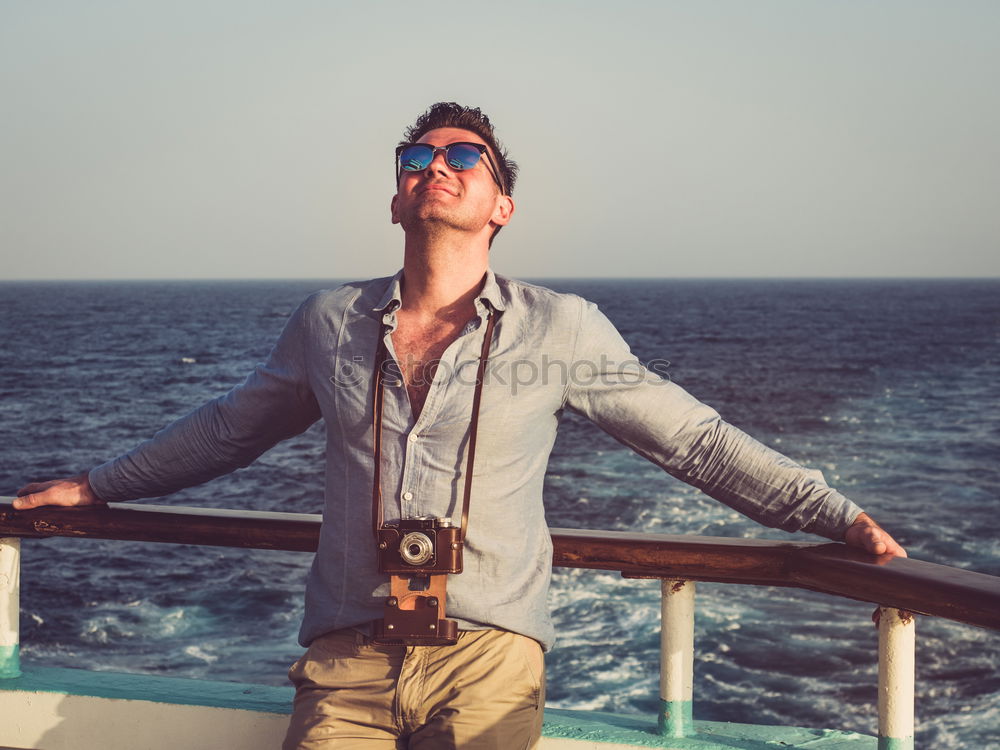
(442, 278)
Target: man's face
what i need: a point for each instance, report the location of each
(440, 198)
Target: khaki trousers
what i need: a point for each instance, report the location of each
(486, 692)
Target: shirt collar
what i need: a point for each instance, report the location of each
(491, 291)
(392, 298)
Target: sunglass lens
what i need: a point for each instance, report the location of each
(416, 157)
(463, 156)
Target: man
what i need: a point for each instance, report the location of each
(431, 323)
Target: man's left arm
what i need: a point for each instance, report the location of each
(689, 440)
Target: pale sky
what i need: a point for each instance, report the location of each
(247, 139)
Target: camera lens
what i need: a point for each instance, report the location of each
(416, 548)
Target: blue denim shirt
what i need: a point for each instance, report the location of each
(550, 352)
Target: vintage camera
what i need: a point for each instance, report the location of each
(419, 545)
(417, 553)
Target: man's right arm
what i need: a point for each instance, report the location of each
(274, 403)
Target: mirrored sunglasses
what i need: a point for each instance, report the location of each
(416, 157)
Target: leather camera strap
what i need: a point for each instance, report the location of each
(381, 355)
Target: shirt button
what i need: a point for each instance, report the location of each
(407, 495)
(413, 437)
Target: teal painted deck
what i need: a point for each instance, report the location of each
(589, 726)
(158, 689)
(638, 731)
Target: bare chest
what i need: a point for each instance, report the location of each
(418, 351)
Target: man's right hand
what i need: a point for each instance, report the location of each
(71, 491)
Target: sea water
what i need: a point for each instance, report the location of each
(890, 387)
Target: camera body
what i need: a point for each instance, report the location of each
(417, 553)
(419, 546)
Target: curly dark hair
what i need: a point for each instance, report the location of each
(452, 115)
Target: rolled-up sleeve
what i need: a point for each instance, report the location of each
(688, 439)
(274, 403)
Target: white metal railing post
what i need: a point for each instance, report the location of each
(676, 658)
(896, 676)
(10, 607)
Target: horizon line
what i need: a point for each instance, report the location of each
(177, 279)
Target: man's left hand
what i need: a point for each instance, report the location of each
(865, 534)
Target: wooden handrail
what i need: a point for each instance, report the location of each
(830, 568)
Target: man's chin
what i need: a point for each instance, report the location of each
(432, 219)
